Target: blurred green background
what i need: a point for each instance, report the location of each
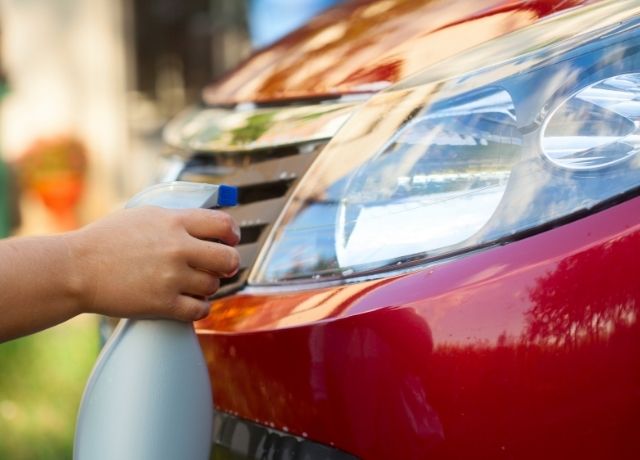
(41, 382)
(108, 74)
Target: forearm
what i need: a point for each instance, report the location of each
(38, 285)
(137, 263)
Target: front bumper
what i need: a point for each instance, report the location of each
(517, 351)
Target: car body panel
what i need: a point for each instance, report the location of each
(526, 349)
(518, 351)
(366, 46)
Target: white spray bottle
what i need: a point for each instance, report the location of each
(149, 395)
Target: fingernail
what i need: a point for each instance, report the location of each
(205, 311)
(236, 230)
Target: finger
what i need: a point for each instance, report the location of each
(210, 224)
(187, 308)
(199, 283)
(215, 258)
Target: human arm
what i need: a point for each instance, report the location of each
(143, 262)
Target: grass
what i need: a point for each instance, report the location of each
(41, 382)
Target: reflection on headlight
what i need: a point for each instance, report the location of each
(596, 127)
(436, 183)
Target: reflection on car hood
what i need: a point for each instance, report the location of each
(365, 46)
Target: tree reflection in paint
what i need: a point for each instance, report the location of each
(585, 299)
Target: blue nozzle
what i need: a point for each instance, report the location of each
(227, 196)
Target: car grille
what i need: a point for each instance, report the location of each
(264, 178)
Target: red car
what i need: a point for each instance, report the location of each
(439, 210)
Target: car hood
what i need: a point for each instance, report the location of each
(365, 46)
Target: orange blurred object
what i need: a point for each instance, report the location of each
(54, 170)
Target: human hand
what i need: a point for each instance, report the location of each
(153, 262)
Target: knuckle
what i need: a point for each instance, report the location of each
(161, 213)
(176, 252)
(176, 219)
(225, 219)
(172, 218)
(168, 280)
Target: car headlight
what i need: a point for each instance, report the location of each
(457, 158)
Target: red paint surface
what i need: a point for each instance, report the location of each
(529, 350)
(363, 46)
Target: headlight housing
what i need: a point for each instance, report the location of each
(457, 159)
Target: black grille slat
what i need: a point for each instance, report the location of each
(251, 233)
(224, 282)
(263, 191)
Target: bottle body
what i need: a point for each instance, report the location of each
(149, 396)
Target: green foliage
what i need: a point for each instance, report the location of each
(41, 381)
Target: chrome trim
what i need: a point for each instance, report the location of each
(243, 439)
(245, 129)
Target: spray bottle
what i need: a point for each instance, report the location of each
(149, 395)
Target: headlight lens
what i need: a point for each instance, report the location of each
(448, 166)
(456, 159)
(596, 127)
